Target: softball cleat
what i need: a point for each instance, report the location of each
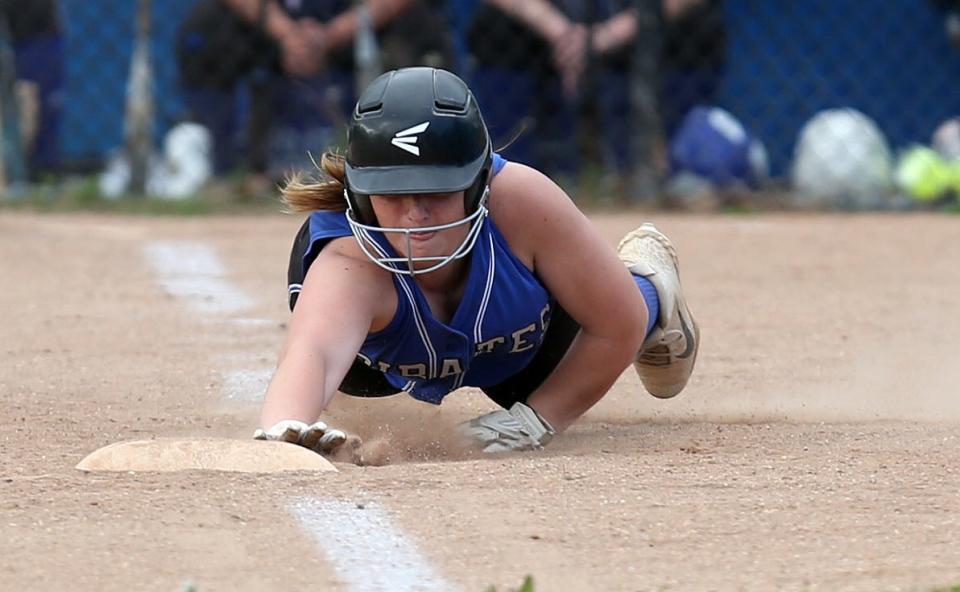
(667, 356)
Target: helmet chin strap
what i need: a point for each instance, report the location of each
(378, 254)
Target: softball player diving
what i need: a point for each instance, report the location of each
(429, 263)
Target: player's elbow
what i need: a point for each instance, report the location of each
(624, 330)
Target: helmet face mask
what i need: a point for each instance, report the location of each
(410, 265)
(416, 131)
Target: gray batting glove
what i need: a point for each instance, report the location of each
(520, 428)
(317, 436)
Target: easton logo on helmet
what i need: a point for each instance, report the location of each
(407, 139)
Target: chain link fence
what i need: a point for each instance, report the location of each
(804, 103)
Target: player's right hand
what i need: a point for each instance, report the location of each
(519, 428)
(317, 436)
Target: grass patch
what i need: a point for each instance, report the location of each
(526, 586)
(953, 208)
(82, 194)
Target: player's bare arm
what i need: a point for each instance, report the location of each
(344, 298)
(588, 280)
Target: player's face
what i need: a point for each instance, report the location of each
(418, 211)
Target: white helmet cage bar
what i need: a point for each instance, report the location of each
(378, 255)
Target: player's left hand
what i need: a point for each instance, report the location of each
(316, 436)
(519, 428)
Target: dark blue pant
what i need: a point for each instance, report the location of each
(682, 90)
(304, 113)
(508, 96)
(40, 60)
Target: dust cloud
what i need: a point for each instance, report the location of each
(399, 429)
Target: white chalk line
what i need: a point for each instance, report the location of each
(245, 384)
(192, 272)
(366, 550)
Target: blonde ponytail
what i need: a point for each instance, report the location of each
(300, 194)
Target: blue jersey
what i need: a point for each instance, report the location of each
(495, 332)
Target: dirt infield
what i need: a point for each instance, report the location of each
(815, 448)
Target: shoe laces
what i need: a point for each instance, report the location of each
(665, 248)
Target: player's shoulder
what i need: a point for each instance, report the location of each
(342, 257)
(342, 268)
(524, 190)
(525, 202)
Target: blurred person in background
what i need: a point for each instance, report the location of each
(519, 48)
(606, 83)
(692, 59)
(531, 70)
(295, 58)
(35, 30)
(422, 35)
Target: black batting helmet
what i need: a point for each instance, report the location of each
(416, 130)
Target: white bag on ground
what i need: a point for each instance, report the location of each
(842, 159)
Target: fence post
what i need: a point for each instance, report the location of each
(645, 120)
(138, 119)
(366, 49)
